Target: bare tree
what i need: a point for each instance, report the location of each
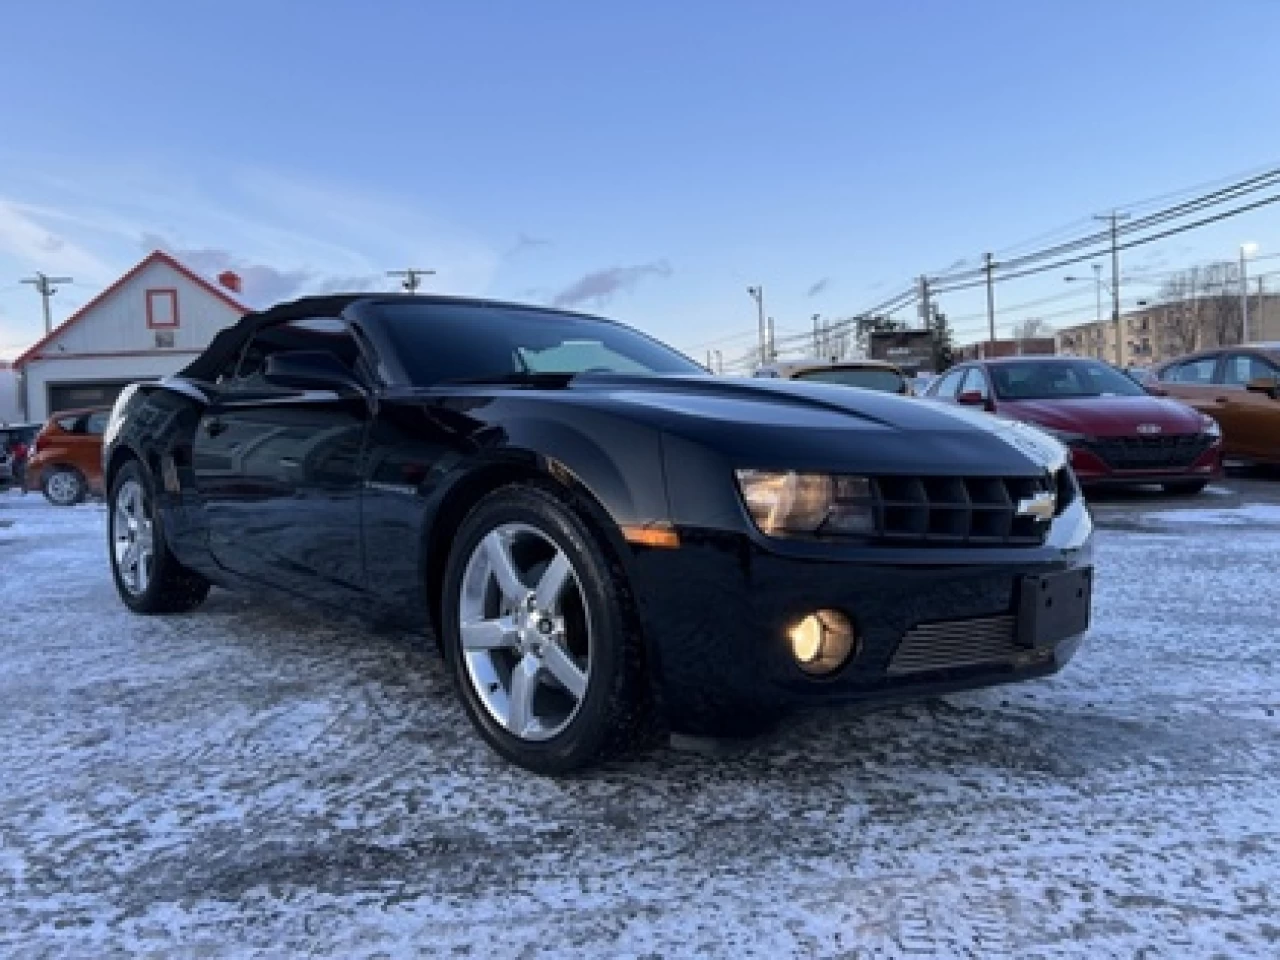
(1031, 328)
(1219, 288)
(1181, 312)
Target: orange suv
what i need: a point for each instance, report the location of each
(66, 458)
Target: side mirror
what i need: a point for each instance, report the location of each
(972, 398)
(311, 370)
(1267, 385)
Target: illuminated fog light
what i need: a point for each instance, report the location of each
(822, 642)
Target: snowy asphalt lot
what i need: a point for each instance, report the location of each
(249, 781)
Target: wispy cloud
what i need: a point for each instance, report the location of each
(526, 244)
(27, 237)
(818, 287)
(263, 284)
(600, 286)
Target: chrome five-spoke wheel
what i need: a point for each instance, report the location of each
(133, 537)
(525, 631)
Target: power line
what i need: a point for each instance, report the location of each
(993, 271)
(1137, 206)
(1224, 195)
(1128, 245)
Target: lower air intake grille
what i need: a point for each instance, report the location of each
(955, 643)
(1148, 453)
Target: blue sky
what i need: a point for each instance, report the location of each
(647, 160)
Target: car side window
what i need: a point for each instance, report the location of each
(1192, 371)
(72, 424)
(1240, 368)
(326, 334)
(949, 385)
(976, 380)
(97, 423)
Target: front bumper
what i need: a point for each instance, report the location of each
(717, 611)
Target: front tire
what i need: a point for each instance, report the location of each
(64, 487)
(1187, 488)
(148, 577)
(546, 656)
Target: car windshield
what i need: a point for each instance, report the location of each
(449, 342)
(1060, 379)
(869, 378)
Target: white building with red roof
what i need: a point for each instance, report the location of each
(147, 324)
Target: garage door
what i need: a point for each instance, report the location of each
(68, 396)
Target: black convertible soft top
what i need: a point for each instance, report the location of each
(228, 344)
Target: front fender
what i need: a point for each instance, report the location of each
(617, 463)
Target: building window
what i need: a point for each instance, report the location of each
(164, 339)
(162, 308)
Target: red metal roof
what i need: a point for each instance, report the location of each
(156, 256)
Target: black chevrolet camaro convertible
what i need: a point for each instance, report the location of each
(606, 541)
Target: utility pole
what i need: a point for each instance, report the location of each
(45, 287)
(988, 265)
(1114, 219)
(719, 362)
(757, 294)
(924, 302)
(817, 328)
(412, 277)
(773, 347)
(1097, 290)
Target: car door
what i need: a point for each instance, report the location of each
(279, 469)
(1250, 420)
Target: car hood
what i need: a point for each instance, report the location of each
(800, 425)
(1128, 416)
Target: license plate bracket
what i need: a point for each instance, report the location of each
(1054, 606)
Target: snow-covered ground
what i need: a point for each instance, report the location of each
(249, 781)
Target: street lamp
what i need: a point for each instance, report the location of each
(1247, 250)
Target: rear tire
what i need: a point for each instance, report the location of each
(64, 486)
(148, 577)
(1187, 488)
(552, 672)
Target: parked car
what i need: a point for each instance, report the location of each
(66, 458)
(1139, 374)
(1238, 387)
(1119, 435)
(867, 374)
(15, 450)
(606, 540)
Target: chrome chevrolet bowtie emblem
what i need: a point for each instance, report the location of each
(1147, 429)
(1040, 505)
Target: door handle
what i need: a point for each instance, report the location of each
(215, 427)
(1219, 399)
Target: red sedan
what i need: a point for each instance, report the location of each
(1118, 433)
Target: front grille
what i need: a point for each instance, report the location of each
(980, 511)
(1148, 453)
(955, 643)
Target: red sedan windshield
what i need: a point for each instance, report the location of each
(1060, 379)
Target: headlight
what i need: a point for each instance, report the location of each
(1210, 427)
(786, 503)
